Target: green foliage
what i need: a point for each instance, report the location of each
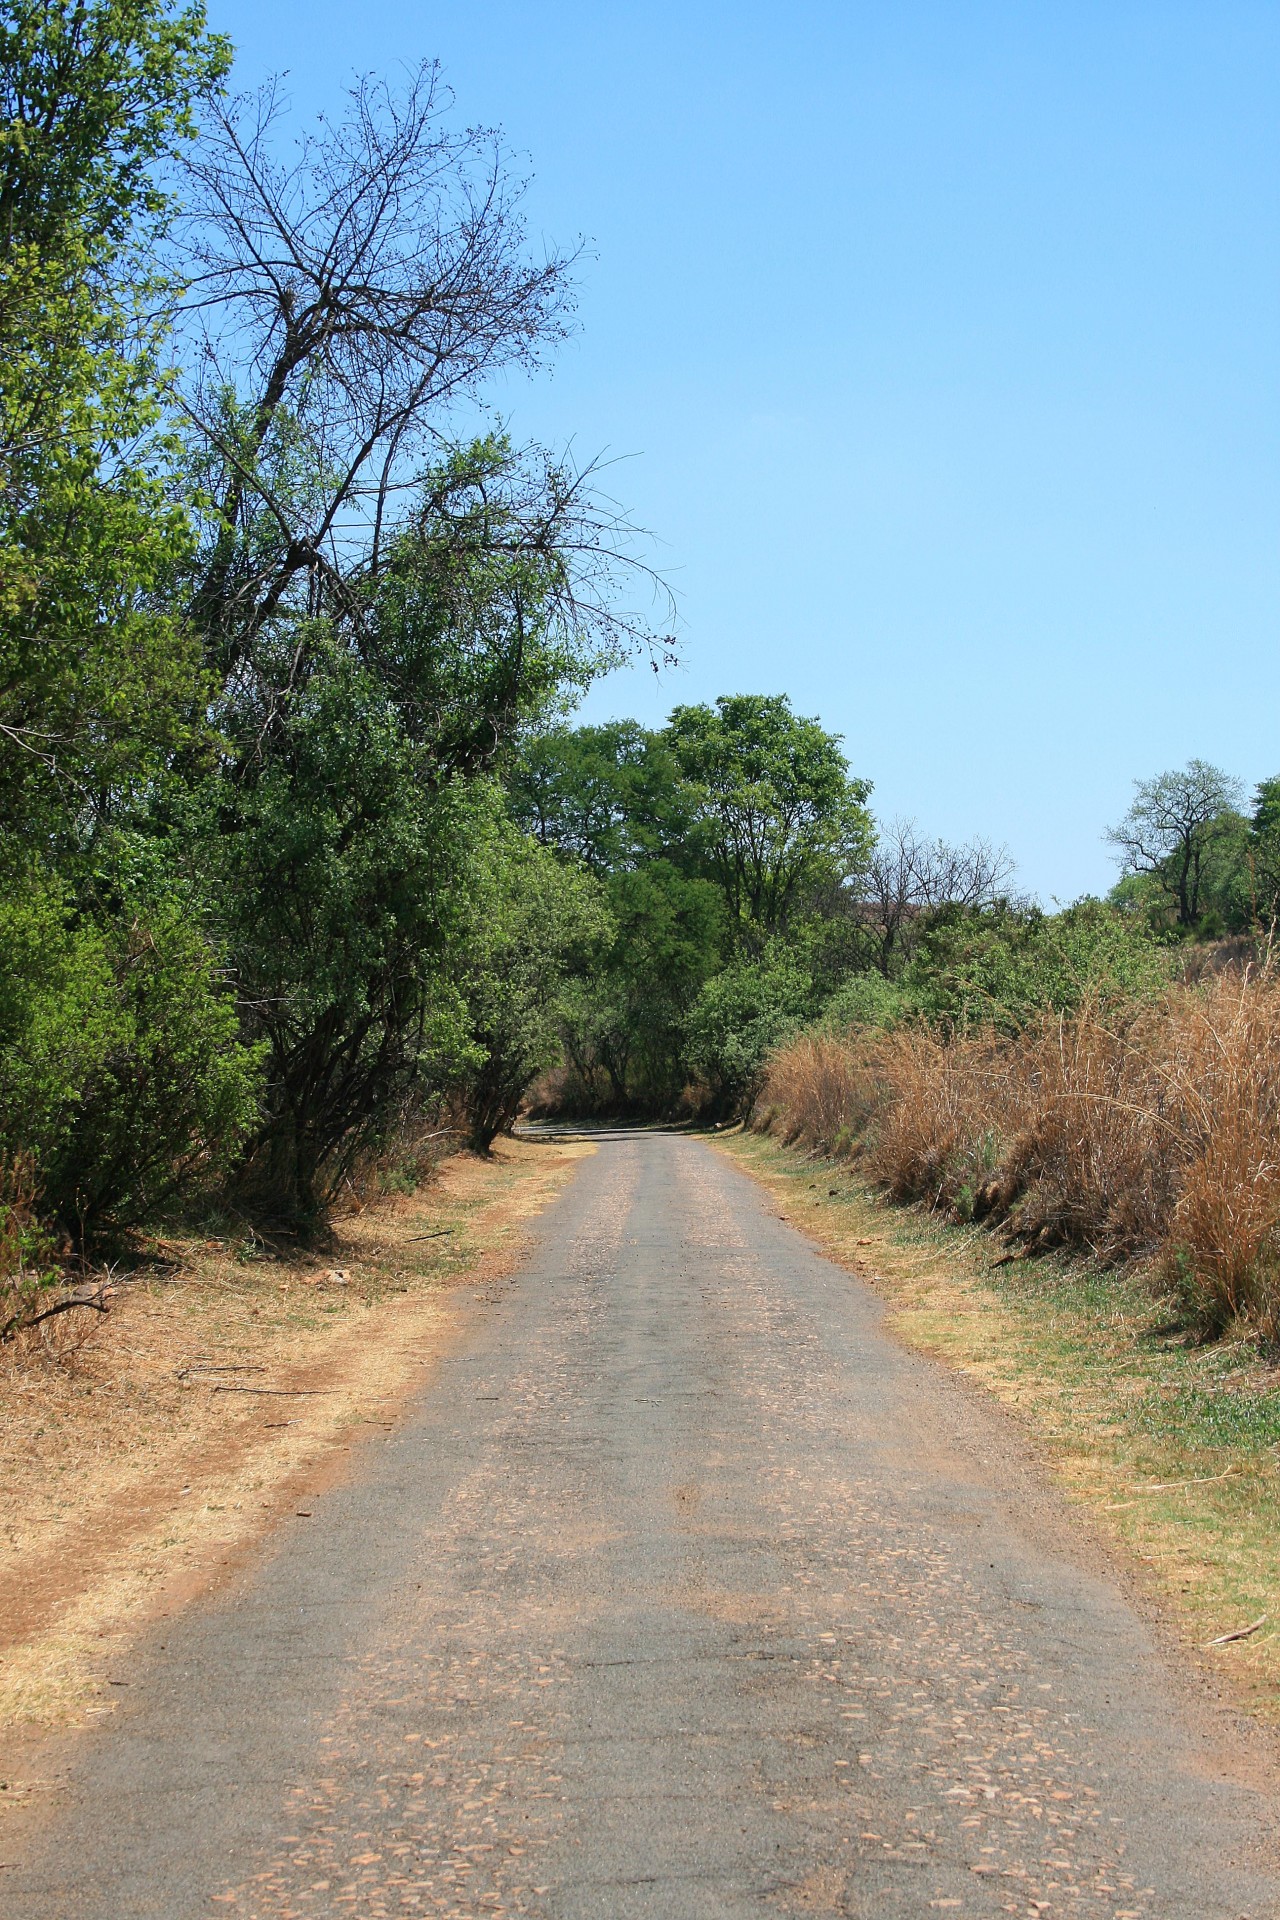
(98, 683)
(339, 868)
(1262, 856)
(1183, 838)
(1005, 965)
(779, 819)
(121, 1068)
(611, 796)
(461, 617)
(225, 721)
(732, 832)
(865, 1000)
(741, 1015)
(624, 1026)
(536, 923)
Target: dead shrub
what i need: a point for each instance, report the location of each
(820, 1090)
(37, 1304)
(1131, 1130)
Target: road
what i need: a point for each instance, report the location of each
(683, 1593)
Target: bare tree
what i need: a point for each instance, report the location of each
(1173, 823)
(909, 877)
(340, 305)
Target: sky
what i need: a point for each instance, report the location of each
(938, 345)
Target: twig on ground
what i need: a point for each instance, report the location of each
(21, 1322)
(1174, 1486)
(1241, 1633)
(310, 1393)
(214, 1366)
(438, 1234)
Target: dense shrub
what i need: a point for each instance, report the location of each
(740, 1016)
(122, 1074)
(1005, 966)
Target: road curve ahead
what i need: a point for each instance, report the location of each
(683, 1594)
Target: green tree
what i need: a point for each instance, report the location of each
(627, 1021)
(742, 1013)
(122, 1072)
(611, 796)
(536, 923)
(779, 816)
(1175, 832)
(98, 682)
(1263, 854)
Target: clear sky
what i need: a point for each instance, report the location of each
(944, 340)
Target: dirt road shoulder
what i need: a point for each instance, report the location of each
(226, 1385)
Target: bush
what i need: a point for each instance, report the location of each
(1005, 966)
(121, 1071)
(739, 1017)
(864, 1000)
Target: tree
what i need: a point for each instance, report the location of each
(779, 817)
(1263, 854)
(627, 1021)
(1172, 828)
(97, 681)
(742, 1013)
(908, 878)
(123, 1076)
(536, 923)
(341, 305)
(611, 796)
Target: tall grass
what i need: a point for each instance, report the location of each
(1148, 1130)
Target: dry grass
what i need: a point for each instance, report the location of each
(1150, 1132)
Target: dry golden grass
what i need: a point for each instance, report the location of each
(1147, 1132)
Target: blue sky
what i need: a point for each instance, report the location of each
(943, 341)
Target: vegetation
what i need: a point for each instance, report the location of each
(300, 854)
(274, 616)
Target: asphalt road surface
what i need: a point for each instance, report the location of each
(684, 1594)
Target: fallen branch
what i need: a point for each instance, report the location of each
(293, 1393)
(21, 1322)
(1173, 1486)
(214, 1366)
(1241, 1633)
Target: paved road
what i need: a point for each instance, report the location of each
(684, 1594)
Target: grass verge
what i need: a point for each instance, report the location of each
(1171, 1448)
(225, 1385)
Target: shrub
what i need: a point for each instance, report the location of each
(1006, 966)
(27, 1269)
(121, 1071)
(864, 1000)
(739, 1017)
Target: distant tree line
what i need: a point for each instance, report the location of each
(1197, 859)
